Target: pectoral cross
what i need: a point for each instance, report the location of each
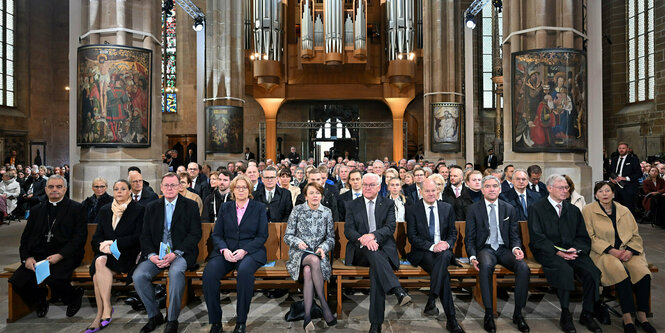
(49, 236)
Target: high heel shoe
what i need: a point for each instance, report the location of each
(645, 326)
(107, 321)
(308, 326)
(93, 329)
(332, 323)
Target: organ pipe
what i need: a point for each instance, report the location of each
(268, 29)
(307, 26)
(360, 26)
(400, 17)
(333, 16)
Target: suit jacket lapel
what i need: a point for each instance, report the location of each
(378, 208)
(63, 211)
(363, 212)
(161, 216)
(439, 207)
(244, 216)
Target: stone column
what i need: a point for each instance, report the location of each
(93, 20)
(224, 60)
(525, 14)
(442, 65)
(112, 163)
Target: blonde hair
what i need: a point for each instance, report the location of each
(247, 181)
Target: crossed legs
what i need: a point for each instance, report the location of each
(313, 281)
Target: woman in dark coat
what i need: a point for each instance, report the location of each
(119, 222)
(653, 187)
(97, 200)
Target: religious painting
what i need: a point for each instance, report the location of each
(37, 153)
(446, 124)
(223, 130)
(114, 100)
(549, 101)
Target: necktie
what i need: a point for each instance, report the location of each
(456, 192)
(169, 215)
(619, 166)
(432, 222)
(523, 204)
(136, 197)
(533, 188)
(357, 195)
(370, 216)
(558, 209)
(269, 196)
(494, 229)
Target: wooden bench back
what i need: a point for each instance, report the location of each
(459, 249)
(340, 241)
(205, 243)
(274, 242)
(524, 233)
(89, 254)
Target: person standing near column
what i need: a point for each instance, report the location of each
(176, 222)
(625, 172)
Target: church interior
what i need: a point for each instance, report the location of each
(101, 85)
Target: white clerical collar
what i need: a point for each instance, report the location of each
(56, 203)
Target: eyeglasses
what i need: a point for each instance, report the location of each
(241, 188)
(50, 187)
(264, 177)
(562, 188)
(184, 183)
(192, 169)
(170, 186)
(369, 185)
(97, 187)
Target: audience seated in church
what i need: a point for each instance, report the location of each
(574, 197)
(97, 200)
(9, 192)
(535, 172)
(654, 199)
(286, 183)
(219, 184)
(520, 196)
(277, 200)
(185, 184)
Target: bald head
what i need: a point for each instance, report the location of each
(136, 181)
(429, 191)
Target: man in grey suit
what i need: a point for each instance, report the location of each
(175, 221)
(492, 237)
(369, 227)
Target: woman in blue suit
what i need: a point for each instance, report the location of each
(238, 238)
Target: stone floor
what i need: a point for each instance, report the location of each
(267, 314)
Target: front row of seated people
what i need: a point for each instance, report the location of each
(599, 245)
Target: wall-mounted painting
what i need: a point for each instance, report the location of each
(223, 130)
(549, 101)
(37, 152)
(446, 127)
(114, 100)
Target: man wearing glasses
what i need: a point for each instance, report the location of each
(561, 244)
(56, 232)
(369, 227)
(277, 200)
(139, 194)
(174, 221)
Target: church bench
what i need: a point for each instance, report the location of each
(345, 275)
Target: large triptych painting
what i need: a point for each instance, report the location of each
(549, 101)
(113, 96)
(446, 127)
(223, 129)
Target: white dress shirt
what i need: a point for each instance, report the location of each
(437, 228)
(498, 227)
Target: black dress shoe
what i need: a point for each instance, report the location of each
(488, 323)
(645, 326)
(586, 319)
(171, 327)
(75, 303)
(240, 328)
(430, 307)
(602, 314)
(153, 323)
(402, 297)
(42, 309)
(375, 328)
(629, 328)
(521, 323)
(216, 328)
(566, 322)
(332, 323)
(453, 326)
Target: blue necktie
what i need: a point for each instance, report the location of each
(523, 204)
(494, 229)
(432, 222)
(169, 214)
(357, 195)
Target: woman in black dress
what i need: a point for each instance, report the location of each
(119, 222)
(97, 200)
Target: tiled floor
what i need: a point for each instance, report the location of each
(267, 314)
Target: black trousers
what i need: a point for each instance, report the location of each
(628, 195)
(625, 292)
(215, 270)
(436, 264)
(487, 260)
(382, 280)
(589, 286)
(24, 283)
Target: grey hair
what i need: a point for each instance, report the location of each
(521, 170)
(269, 168)
(488, 178)
(57, 177)
(554, 178)
(437, 176)
(372, 175)
(501, 173)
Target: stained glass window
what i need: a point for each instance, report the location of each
(7, 63)
(488, 40)
(169, 88)
(640, 34)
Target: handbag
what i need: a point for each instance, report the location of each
(297, 311)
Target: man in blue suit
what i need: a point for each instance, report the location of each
(520, 196)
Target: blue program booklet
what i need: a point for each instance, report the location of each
(270, 264)
(114, 250)
(42, 270)
(164, 249)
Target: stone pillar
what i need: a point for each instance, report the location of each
(442, 65)
(525, 14)
(270, 108)
(224, 61)
(112, 163)
(93, 20)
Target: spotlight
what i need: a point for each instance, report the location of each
(498, 4)
(198, 23)
(470, 21)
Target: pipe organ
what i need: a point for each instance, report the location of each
(401, 33)
(268, 19)
(306, 29)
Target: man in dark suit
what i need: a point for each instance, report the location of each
(431, 230)
(277, 200)
(33, 192)
(140, 194)
(491, 160)
(520, 196)
(146, 185)
(369, 227)
(625, 170)
(413, 190)
(248, 154)
(171, 160)
(293, 156)
(174, 221)
(507, 183)
(356, 191)
(535, 172)
(329, 197)
(56, 231)
(199, 180)
(561, 244)
(492, 237)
